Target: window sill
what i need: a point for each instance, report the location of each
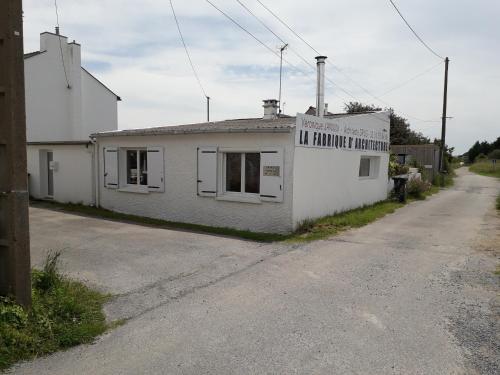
(242, 198)
(134, 189)
(367, 178)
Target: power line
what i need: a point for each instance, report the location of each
(293, 50)
(187, 52)
(414, 32)
(411, 79)
(336, 67)
(279, 56)
(288, 27)
(60, 44)
(252, 35)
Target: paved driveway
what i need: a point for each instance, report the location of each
(413, 293)
(142, 266)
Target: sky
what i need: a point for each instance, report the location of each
(135, 49)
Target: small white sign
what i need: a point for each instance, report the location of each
(342, 133)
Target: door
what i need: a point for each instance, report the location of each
(50, 175)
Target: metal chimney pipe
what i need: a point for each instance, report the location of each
(57, 30)
(320, 86)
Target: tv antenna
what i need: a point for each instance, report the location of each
(281, 74)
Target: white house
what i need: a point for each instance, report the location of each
(64, 105)
(266, 174)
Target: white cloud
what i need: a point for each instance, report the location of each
(147, 67)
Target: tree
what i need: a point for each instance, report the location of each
(401, 134)
(484, 148)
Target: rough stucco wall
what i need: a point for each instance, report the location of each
(56, 113)
(326, 181)
(99, 107)
(73, 178)
(180, 202)
(47, 98)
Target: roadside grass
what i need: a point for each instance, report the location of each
(64, 313)
(486, 168)
(309, 230)
(332, 225)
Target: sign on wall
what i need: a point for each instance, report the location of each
(271, 170)
(343, 133)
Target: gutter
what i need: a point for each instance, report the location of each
(180, 132)
(54, 143)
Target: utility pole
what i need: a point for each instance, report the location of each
(443, 123)
(281, 69)
(14, 231)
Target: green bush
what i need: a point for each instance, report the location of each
(395, 169)
(416, 187)
(64, 313)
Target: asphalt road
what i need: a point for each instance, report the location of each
(413, 293)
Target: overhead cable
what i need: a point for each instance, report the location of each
(187, 51)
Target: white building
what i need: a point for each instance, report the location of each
(267, 174)
(64, 105)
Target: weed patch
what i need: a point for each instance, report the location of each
(331, 225)
(64, 313)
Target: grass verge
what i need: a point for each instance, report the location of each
(331, 225)
(486, 168)
(64, 313)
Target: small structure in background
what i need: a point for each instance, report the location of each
(426, 155)
(64, 105)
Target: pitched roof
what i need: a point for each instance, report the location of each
(35, 53)
(102, 84)
(31, 54)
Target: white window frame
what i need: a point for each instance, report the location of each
(123, 172)
(374, 170)
(241, 196)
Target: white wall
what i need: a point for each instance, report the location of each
(326, 181)
(73, 178)
(48, 115)
(99, 107)
(56, 113)
(180, 201)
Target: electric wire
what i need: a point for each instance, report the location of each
(411, 79)
(278, 55)
(252, 35)
(60, 45)
(414, 32)
(337, 68)
(187, 51)
(307, 62)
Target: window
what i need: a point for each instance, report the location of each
(364, 167)
(369, 167)
(242, 172)
(137, 167)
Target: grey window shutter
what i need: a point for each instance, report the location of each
(156, 169)
(111, 167)
(207, 171)
(271, 174)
